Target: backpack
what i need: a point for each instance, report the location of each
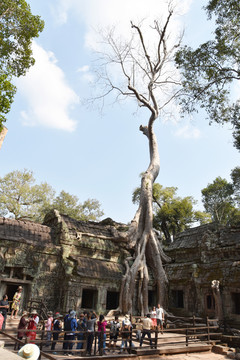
(56, 325)
(67, 324)
(114, 328)
(125, 331)
(82, 326)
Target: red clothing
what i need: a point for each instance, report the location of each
(32, 326)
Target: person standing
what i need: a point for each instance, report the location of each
(48, 327)
(82, 327)
(126, 334)
(102, 329)
(91, 321)
(4, 306)
(114, 332)
(153, 317)
(138, 329)
(70, 325)
(32, 325)
(16, 302)
(147, 327)
(22, 327)
(57, 327)
(160, 317)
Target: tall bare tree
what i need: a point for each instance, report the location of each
(146, 63)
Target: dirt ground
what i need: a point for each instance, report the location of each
(195, 356)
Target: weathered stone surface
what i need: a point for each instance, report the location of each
(56, 261)
(65, 260)
(199, 256)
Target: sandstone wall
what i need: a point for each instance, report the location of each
(199, 256)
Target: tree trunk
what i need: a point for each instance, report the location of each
(218, 299)
(143, 241)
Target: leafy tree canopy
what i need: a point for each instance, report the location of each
(21, 198)
(70, 205)
(235, 176)
(18, 26)
(172, 214)
(218, 200)
(210, 70)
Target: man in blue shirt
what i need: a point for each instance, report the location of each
(70, 325)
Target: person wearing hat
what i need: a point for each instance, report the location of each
(22, 326)
(70, 326)
(16, 302)
(33, 323)
(48, 327)
(29, 351)
(126, 333)
(57, 327)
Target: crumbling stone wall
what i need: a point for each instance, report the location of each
(92, 260)
(29, 258)
(199, 256)
(65, 261)
(56, 261)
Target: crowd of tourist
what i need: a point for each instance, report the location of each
(83, 328)
(75, 330)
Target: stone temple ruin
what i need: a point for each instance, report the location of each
(75, 264)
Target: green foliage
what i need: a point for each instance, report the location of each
(218, 200)
(210, 71)
(235, 176)
(7, 92)
(172, 214)
(90, 210)
(69, 205)
(202, 217)
(21, 198)
(66, 204)
(17, 29)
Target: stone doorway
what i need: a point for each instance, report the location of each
(10, 287)
(10, 290)
(89, 299)
(152, 298)
(112, 300)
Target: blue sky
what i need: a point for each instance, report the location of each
(95, 155)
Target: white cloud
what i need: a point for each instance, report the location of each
(105, 14)
(188, 132)
(83, 69)
(49, 97)
(109, 12)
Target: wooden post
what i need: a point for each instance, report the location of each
(85, 338)
(156, 338)
(101, 343)
(42, 336)
(194, 321)
(130, 342)
(208, 330)
(95, 342)
(187, 336)
(194, 324)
